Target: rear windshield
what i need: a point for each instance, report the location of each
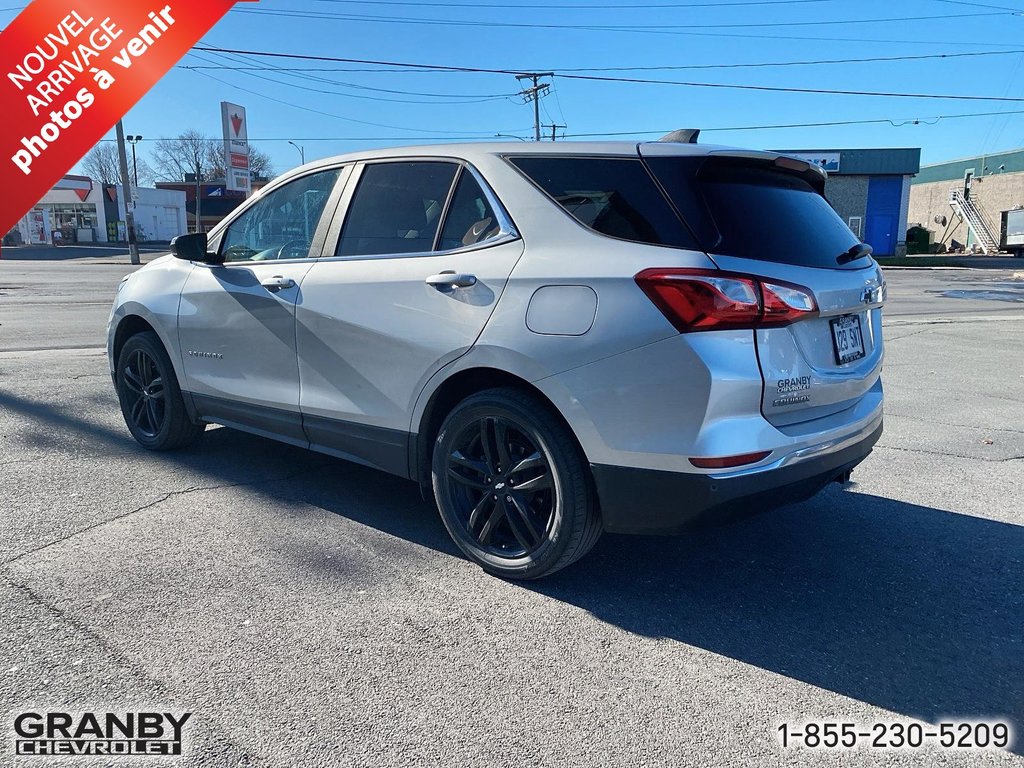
(614, 196)
(755, 211)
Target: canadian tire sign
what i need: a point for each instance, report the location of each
(236, 147)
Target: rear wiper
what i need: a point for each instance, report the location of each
(855, 252)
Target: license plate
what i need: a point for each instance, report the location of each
(847, 340)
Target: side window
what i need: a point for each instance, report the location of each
(281, 225)
(470, 218)
(614, 196)
(396, 208)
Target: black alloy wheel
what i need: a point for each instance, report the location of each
(145, 393)
(504, 493)
(150, 397)
(512, 486)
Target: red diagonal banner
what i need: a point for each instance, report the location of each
(70, 69)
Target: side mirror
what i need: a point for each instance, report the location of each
(193, 248)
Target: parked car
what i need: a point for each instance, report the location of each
(558, 339)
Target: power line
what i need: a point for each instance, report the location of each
(803, 63)
(646, 28)
(646, 81)
(589, 6)
(828, 124)
(980, 5)
(896, 123)
(465, 134)
(652, 68)
(454, 98)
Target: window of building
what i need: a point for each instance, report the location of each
(857, 226)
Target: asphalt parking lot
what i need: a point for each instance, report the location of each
(312, 612)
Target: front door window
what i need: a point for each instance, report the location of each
(282, 224)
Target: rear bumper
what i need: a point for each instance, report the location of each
(648, 501)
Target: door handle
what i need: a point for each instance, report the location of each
(277, 283)
(449, 279)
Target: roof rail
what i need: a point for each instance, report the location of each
(682, 136)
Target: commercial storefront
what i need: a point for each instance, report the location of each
(74, 207)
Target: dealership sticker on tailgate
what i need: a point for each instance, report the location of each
(847, 340)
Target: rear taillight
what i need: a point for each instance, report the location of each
(710, 300)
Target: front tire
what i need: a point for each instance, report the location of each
(150, 397)
(512, 485)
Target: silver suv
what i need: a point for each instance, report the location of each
(558, 339)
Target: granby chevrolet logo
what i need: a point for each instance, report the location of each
(236, 123)
(109, 733)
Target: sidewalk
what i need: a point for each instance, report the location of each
(951, 262)
(93, 253)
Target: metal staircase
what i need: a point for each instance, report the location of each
(975, 218)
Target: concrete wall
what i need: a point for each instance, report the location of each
(849, 196)
(993, 194)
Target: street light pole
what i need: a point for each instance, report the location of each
(129, 212)
(133, 140)
(302, 151)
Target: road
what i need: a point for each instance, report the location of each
(313, 612)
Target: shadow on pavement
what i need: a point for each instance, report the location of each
(905, 607)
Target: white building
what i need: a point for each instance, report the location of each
(159, 213)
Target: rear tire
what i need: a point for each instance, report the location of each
(150, 397)
(512, 485)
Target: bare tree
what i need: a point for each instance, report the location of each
(144, 171)
(195, 152)
(100, 163)
(260, 163)
(190, 152)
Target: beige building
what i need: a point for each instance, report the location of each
(964, 200)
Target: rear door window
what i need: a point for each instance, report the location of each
(614, 196)
(396, 208)
(755, 210)
(470, 219)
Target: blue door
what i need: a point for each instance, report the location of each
(881, 225)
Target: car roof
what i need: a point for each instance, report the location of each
(473, 149)
(476, 151)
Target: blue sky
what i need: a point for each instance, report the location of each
(538, 36)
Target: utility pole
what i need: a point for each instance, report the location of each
(129, 210)
(533, 94)
(199, 196)
(554, 128)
